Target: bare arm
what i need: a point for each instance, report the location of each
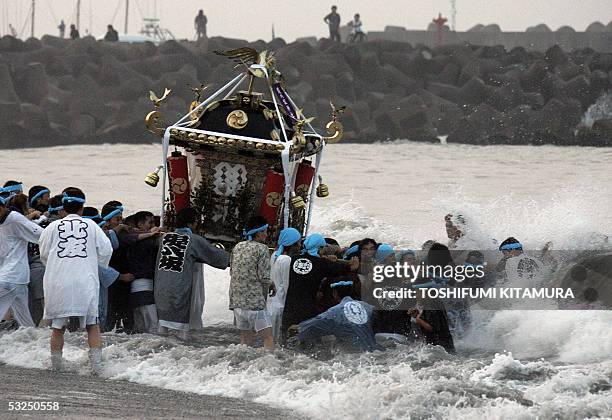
(414, 313)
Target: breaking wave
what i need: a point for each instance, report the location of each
(513, 364)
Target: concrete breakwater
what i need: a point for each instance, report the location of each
(55, 91)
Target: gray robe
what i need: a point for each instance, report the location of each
(179, 291)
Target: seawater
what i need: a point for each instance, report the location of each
(513, 364)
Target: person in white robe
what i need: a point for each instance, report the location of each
(16, 231)
(72, 250)
(289, 243)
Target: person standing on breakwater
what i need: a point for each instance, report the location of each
(333, 20)
(74, 32)
(62, 29)
(357, 34)
(111, 34)
(200, 25)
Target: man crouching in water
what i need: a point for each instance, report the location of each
(350, 321)
(432, 319)
(250, 284)
(72, 249)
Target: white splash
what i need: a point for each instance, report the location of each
(600, 110)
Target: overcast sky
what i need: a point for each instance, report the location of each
(253, 19)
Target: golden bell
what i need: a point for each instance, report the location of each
(152, 178)
(297, 202)
(322, 190)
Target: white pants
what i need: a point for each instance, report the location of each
(276, 319)
(248, 320)
(15, 297)
(145, 319)
(84, 322)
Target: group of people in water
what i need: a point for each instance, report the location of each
(66, 265)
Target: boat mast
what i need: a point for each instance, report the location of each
(127, 10)
(33, 14)
(78, 16)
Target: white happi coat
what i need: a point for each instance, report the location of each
(279, 274)
(72, 249)
(15, 233)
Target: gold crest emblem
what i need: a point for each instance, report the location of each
(179, 185)
(237, 119)
(273, 199)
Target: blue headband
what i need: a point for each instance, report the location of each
(54, 209)
(6, 199)
(341, 283)
(250, 233)
(351, 250)
(90, 217)
(102, 223)
(312, 243)
(12, 188)
(118, 210)
(38, 195)
(287, 237)
(68, 199)
(509, 247)
(383, 251)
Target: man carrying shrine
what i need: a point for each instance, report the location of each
(178, 285)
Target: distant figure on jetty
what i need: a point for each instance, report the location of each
(357, 34)
(333, 20)
(111, 34)
(13, 31)
(74, 32)
(62, 29)
(200, 25)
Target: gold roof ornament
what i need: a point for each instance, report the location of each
(237, 119)
(198, 91)
(248, 56)
(334, 128)
(154, 120)
(194, 112)
(157, 101)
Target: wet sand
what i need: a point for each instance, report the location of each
(89, 397)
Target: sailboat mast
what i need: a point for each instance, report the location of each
(33, 15)
(78, 15)
(127, 11)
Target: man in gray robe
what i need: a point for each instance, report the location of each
(179, 289)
